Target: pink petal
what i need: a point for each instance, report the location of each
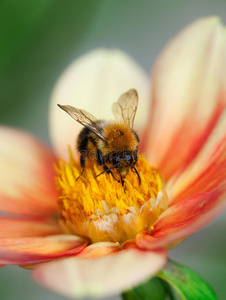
(31, 250)
(99, 249)
(27, 176)
(100, 277)
(93, 82)
(183, 219)
(208, 169)
(189, 94)
(12, 258)
(16, 228)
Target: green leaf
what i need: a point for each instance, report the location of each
(186, 282)
(152, 289)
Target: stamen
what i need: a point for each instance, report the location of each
(100, 208)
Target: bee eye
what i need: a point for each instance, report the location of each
(128, 156)
(134, 154)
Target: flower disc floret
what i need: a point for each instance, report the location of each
(100, 208)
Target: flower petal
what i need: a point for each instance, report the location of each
(93, 82)
(183, 219)
(189, 94)
(27, 175)
(208, 169)
(31, 250)
(99, 249)
(100, 277)
(16, 228)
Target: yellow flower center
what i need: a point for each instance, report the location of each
(100, 208)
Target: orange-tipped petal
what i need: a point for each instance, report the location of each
(189, 94)
(99, 249)
(27, 176)
(93, 82)
(17, 228)
(183, 219)
(207, 171)
(31, 250)
(100, 277)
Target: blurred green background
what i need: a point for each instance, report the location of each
(39, 38)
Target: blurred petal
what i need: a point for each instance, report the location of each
(92, 251)
(100, 277)
(189, 94)
(99, 249)
(183, 219)
(27, 176)
(31, 250)
(12, 227)
(207, 171)
(93, 82)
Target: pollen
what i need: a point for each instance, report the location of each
(100, 208)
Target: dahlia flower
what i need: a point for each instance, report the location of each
(92, 237)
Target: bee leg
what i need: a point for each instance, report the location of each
(122, 181)
(101, 162)
(135, 170)
(110, 172)
(82, 163)
(82, 143)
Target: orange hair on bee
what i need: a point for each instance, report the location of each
(119, 137)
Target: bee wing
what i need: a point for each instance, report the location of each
(83, 117)
(125, 108)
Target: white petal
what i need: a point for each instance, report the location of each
(93, 82)
(100, 277)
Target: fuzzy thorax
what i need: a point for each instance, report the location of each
(119, 136)
(101, 209)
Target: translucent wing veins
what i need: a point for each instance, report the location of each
(83, 117)
(125, 108)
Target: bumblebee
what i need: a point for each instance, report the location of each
(114, 143)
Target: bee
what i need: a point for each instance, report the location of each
(114, 143)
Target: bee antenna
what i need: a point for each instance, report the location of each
(137, 174)
(107, 170)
